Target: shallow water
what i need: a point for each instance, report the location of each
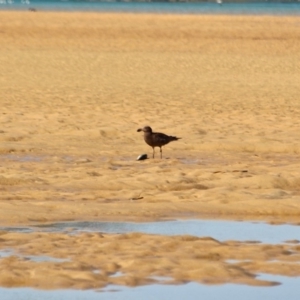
(287, 290)
(220, 230)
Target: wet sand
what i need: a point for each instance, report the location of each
(92, 260)
(74, 89)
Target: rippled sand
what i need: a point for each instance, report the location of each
(74, 88)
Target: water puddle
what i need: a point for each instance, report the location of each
(287, 290)
(117, 274)
(220, 230)
(36, 258)
(22, 158)
(6, 253)
(17, 229)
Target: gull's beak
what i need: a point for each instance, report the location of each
(140, 129)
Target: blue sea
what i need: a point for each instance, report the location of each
(263, 7)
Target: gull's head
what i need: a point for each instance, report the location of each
(145, 129)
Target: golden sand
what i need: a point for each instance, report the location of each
(74, 88)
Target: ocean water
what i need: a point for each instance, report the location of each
(262, 7)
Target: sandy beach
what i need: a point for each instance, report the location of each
(74, 89)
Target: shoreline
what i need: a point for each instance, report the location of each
(176, 8)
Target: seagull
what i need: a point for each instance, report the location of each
(156, 139)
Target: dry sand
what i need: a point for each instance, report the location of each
(74, 88)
